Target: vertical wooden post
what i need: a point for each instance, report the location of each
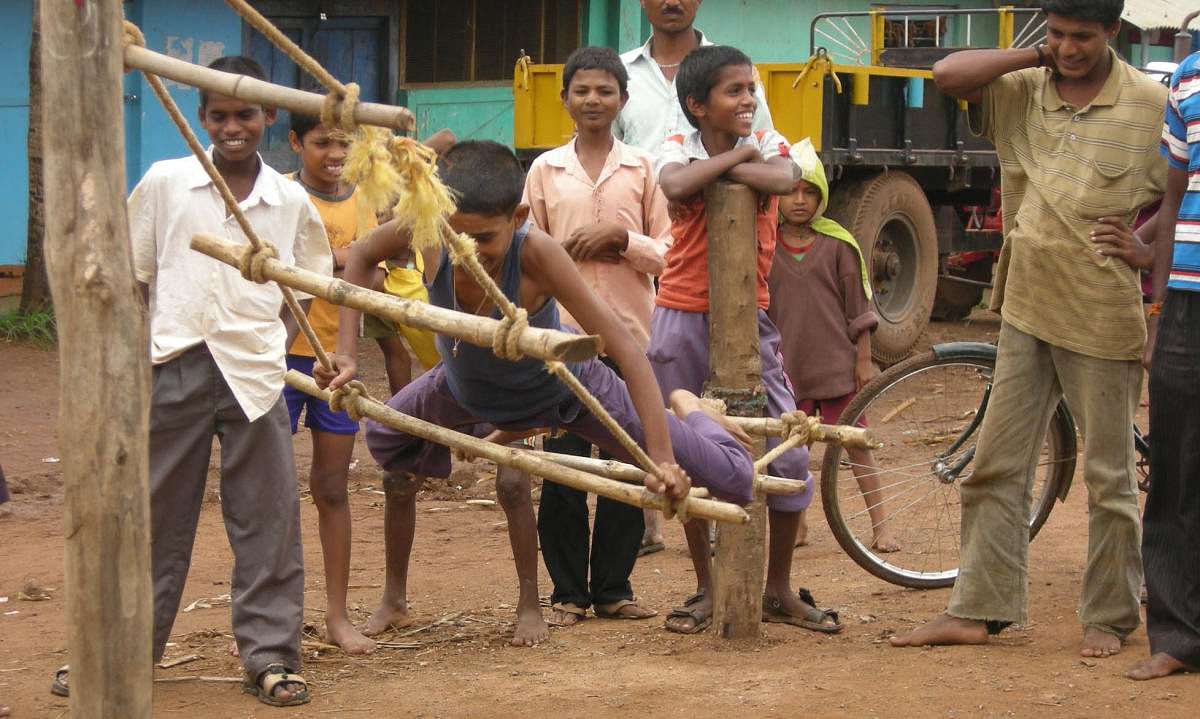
(734, 365)
(104, 406)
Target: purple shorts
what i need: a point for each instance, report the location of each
(317, 414)
(711, 457)
(678, 353)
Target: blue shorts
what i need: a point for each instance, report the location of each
(318, 416)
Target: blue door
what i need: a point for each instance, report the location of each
(350, 48)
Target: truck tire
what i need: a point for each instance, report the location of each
(891, 219)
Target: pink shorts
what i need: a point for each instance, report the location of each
(829, 409)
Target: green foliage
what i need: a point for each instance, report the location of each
(33, 326)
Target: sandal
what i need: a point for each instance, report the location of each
(264, 686)
(689, 610)
(613, 611)
(59, 686)
(813, 619)
(649, 546)
(566, 608)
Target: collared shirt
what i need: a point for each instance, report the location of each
(653, 112)
(195, 298)
(1063, 168)
(562, 198)
(1181, 145)
(684, 282)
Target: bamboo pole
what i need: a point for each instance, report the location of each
(523, 460)
(264, 93)
(840, 434)
(614, 469)
(733, 363)
(105, 376)
(544, 344)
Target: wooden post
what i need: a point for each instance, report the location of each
(104, 406)
(734, 364)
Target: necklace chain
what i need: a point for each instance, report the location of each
(668, 66)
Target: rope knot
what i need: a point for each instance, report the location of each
(132, 35)
(253, 260)
(676, 508)
(338, 108)
(508, 335)
(345, 399)
(803, 428)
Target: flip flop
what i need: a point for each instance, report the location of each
(649, 546)
(813, 619)
(59, 686)
(264, 686)
(567, 608)
(700, 621)
(614, 610)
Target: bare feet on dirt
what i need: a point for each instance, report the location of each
(531, 629)
(943, 630)
(1157, 666)
(340, 631)
(885, 541)
(1098, 644)
(386, 616)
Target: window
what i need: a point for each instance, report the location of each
(480, 40)
(919, 26)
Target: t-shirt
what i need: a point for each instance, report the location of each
(340, 215)
(1062, 168)
(1183, 112)
(684, 283)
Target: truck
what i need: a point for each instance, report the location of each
(907, 178)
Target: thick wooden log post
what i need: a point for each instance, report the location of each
(104, 408)
(733, 364)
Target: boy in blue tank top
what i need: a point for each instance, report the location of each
(472, 386)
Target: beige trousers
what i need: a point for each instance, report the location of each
(1031, 376)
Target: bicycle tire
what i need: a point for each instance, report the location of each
(927, 401)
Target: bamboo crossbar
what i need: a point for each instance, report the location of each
(839, 434)
(544, 344)
(523, 460)
(255, 90)
(613, 469)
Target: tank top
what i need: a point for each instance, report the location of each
(488, 387)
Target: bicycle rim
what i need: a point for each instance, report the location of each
(925, 413)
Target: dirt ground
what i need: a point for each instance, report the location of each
(463, 583)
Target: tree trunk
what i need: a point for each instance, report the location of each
(35, 290)
(735, 371)
(105, 365)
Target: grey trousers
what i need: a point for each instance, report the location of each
(1031, 376)
(190, 402)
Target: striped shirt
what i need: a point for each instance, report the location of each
(1063, 168)
(1181, 145)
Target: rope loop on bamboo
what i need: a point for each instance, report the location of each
(508, 335)
(338, 109)
(676, 509)
(132, 35)
(803, 428)
(252, 260)
(345, 399)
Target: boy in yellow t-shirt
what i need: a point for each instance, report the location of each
(322, 154)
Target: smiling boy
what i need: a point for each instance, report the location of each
(716, 89)
(597, 196)
(1077, 133)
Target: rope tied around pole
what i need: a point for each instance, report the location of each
(508, 335)
(673, 508)
(251, 262)
(801, 427)
(345, 399)
(132, 35)
(338, 110)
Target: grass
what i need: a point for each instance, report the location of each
(35, 327)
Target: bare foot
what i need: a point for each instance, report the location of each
(885, 542)
(531, 630)
(565, 614)
(684, 403)
(1099, 644)
(386, 616)
(342, 633)
(233, 649)
(943, 630)
(1156, 666)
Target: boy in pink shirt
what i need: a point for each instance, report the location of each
(597, 196)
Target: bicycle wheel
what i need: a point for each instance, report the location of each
(926, 411)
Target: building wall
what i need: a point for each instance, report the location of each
(17, 19)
